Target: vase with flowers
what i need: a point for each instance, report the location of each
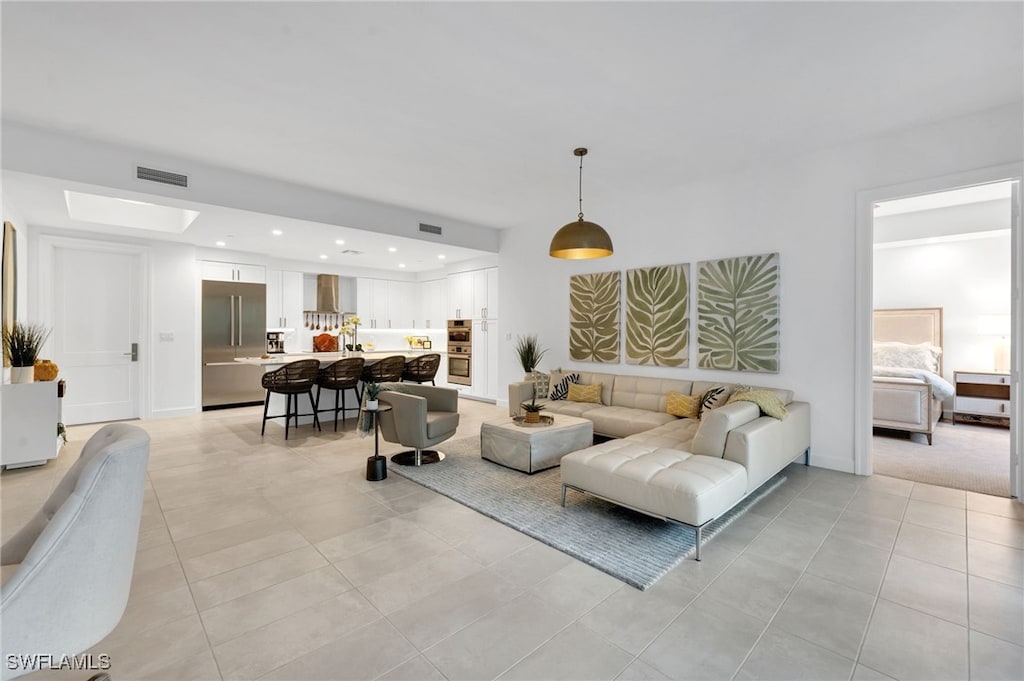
(22, 344)
(350, 329)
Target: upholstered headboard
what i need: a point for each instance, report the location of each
(910, 325)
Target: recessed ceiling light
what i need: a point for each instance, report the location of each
(323, 257)
(340, 242)
(392, 249)
(221, 243)
(441, 257)
(401, 264)
(277, 232)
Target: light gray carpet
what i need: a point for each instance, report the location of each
(965, 456)
(630, 546)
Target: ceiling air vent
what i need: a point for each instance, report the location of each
(349, 251)
(162, 176)
(430, 229)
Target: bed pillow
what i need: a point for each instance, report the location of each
(585, 393)
(560, 385)
(924, 356)
(683, 406)
(767, 401)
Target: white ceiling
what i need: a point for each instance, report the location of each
(471, 110)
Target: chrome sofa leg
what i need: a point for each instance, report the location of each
(807, 456)
(698, 532)
(563, 496)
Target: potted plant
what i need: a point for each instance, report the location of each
(531, 411)
(530, 353)
(22, 345)
(372, 390)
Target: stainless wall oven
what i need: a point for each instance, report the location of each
(460, 349)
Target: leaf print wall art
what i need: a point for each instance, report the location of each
(658, 316)
(594, 317)
(738, 314)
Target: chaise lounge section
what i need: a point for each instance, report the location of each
(685, 470)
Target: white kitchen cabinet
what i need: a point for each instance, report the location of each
(385, 304)
(29, 413)
(474, 294)
(433, 305)
(214, 270)
(460, 295)
(284, 299)
(484, 368)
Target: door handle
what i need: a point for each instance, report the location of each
(240, 323)
(231, 313)
(134, 354)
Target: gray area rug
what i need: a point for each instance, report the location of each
(627, 545)
(971, 457)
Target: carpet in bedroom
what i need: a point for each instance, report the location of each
(630, 546)
(971, 457)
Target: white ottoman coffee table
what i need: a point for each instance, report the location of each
(533, 448)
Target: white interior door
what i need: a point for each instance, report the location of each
(96, 310)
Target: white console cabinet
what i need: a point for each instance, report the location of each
(29, 413)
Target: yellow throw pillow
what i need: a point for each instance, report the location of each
(585, 393)
(769, 402)
(683, 406)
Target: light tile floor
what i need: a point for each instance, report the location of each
(260, 558)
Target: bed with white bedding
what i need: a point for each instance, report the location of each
(908, 387)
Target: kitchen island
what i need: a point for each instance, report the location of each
(276, 361)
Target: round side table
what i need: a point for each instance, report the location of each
(377, 465)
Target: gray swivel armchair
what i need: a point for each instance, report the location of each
(73, 561)
(421, 416)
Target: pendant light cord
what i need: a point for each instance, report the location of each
(581, 188)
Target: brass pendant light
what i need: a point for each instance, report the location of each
(582, 239)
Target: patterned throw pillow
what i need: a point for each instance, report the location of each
(585, 393)
(713, 398)
(542, 383)
(683, 406)
(769, 402)
(560, 388)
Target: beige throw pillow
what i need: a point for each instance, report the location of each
(683, 406)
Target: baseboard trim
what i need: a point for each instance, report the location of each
(172, 413)
(835, 463)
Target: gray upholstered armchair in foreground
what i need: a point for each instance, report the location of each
(421, 416)
(72, 563)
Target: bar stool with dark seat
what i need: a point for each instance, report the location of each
(387, 370)
(340, 376)
(291, 380)
(421, 369)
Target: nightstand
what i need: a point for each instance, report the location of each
(982, 394)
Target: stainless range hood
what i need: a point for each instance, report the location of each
(327, 294)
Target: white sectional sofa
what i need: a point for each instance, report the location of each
(684, 470)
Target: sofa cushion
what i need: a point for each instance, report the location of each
(623, 421)
(641, 392)
(676, 434)
(585, 393)
(568, 408)
(714, 428)
(683, 406)
(665, 482)
(560, 384)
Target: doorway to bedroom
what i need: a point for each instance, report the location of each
(942, 283)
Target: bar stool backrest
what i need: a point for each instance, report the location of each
(387, 370)
(422, 369)
(341, 375)
(294, 377)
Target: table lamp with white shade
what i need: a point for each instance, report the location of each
(997, 325)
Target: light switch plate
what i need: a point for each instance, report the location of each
(166, 336)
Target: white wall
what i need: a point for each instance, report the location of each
(965, 278)
(804, 208)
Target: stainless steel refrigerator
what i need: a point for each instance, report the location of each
(234, 325)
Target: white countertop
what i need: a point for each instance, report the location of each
(280, 358)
